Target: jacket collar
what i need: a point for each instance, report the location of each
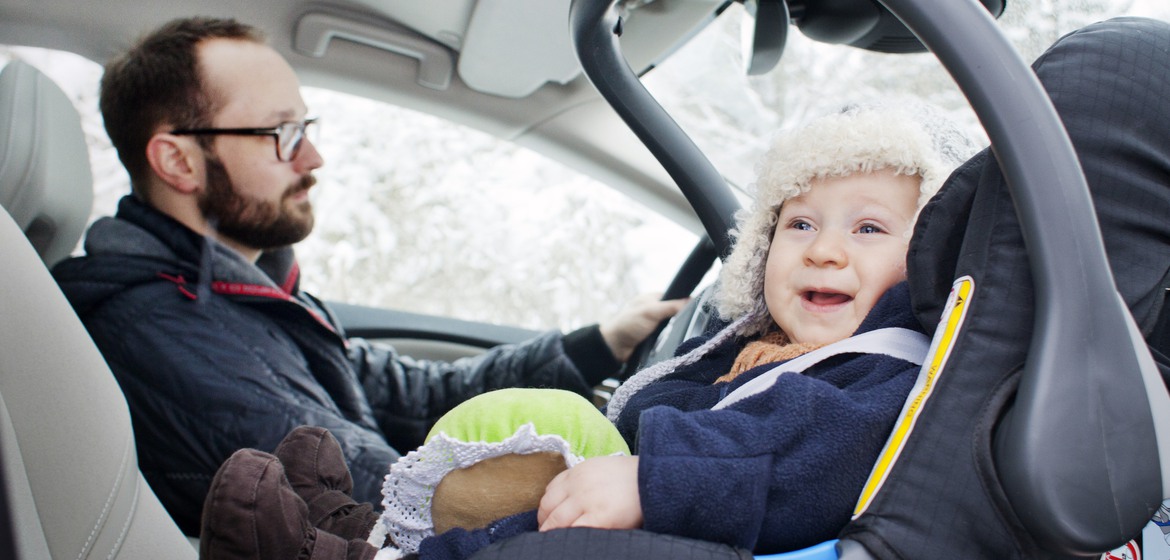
(138, 230)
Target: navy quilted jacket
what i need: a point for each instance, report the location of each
(215, 354)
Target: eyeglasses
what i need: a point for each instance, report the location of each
(289, 135)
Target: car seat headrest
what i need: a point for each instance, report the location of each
(45, 180)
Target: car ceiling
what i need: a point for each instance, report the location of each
(502, 66)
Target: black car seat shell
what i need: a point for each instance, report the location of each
(1043, 443)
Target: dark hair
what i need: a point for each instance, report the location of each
(158, 80)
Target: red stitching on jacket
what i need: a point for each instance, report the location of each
(291, 281)
(180, 283)
(234, 289)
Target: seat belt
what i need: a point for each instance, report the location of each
(896, 342)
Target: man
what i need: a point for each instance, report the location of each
(191, 290)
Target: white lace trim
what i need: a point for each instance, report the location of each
(377, 536)
(407, 491)
(390, 553)
(657, 371)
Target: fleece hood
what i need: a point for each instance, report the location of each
(140, 245)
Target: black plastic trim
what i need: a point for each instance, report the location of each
(374, 323)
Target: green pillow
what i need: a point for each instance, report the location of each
(496, 415)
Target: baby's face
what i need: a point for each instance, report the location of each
(836, 250)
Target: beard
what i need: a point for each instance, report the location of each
(259, 224)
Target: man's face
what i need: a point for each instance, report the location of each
(250, 196)
(836, 250)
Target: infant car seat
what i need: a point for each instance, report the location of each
(1039, 427)
(1056, 447)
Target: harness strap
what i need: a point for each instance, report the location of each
(896, 342)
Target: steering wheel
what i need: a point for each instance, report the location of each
(662, 344)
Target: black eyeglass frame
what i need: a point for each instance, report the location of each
(299, 130)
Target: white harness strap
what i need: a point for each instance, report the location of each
(900, 343)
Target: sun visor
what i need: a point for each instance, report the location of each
(512, 56)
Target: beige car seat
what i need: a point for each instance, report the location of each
(45, 180)
(69, 481)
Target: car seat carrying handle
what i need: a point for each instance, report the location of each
(1076, 453)
(595, 26)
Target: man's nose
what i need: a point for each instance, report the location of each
(308, 158)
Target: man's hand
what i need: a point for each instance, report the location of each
(599, 492)
(636, 321)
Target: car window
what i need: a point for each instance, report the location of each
(423, 214)
(420, 214)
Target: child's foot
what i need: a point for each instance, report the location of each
(316, 469)
(252, 513)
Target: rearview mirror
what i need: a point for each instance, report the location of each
(765, 35)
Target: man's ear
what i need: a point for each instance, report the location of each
(177, 160)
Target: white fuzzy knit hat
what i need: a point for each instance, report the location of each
(909, 137)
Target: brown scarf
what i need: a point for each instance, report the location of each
(772, 347)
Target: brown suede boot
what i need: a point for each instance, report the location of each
(316, 469)
(251, 513)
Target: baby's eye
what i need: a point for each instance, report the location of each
(801, 225)
(870, 228)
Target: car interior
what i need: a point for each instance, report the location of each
(69, 483)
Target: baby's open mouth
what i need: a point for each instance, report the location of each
(826, 298)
